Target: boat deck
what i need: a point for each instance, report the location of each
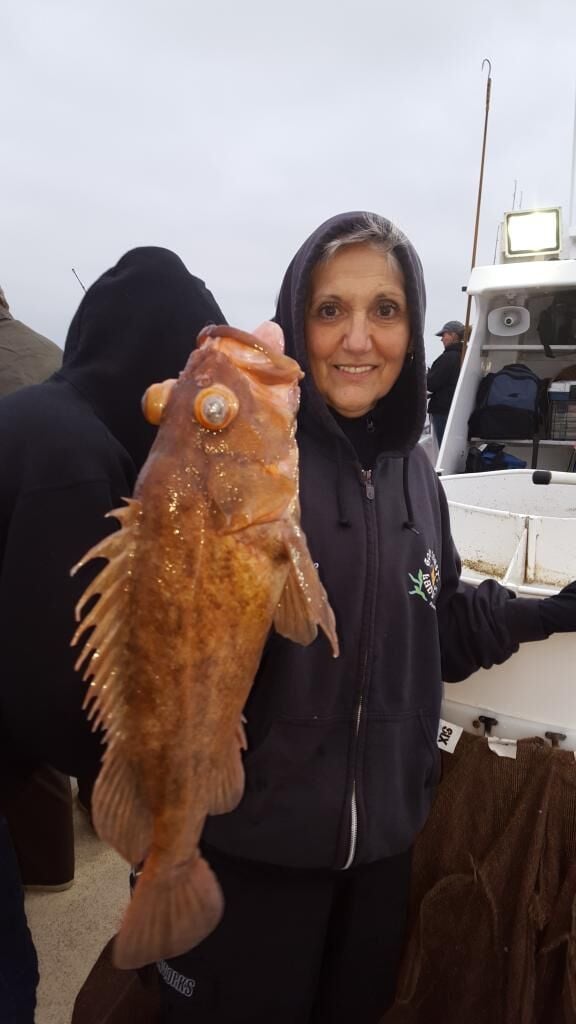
(71, 928)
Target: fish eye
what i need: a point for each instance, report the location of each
(155, 400)
(215, 407)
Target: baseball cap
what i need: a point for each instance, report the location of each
(453, 326)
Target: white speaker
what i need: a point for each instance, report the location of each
(508, 321)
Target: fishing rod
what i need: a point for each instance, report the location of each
(479, 199)
(78, 279)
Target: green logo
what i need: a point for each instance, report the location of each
(427, 582)
(418, 582)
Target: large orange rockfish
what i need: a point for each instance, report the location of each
(210, 556)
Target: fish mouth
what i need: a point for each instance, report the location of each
(281, 367)
(223, 331)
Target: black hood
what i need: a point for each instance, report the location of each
(136, 325)
(401, 413)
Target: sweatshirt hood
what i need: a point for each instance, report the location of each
(401, 413)
(136, 325)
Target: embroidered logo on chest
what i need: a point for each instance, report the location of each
(426, 583)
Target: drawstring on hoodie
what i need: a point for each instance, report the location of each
(409, 522)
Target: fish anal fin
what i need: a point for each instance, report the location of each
(120, 815)
(241, 735)
(303, 605)
(227, 787)
(171, 911)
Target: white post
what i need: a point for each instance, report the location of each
(572, 212)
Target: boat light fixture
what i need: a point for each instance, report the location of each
(533, 232)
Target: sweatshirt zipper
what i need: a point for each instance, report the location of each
(369, 490)
(353, 804)
(368, 484)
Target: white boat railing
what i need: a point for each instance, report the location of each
(519, 529)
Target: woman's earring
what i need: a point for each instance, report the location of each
(409, 359)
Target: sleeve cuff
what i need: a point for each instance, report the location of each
(524, 621)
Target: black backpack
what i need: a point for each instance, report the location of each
(509, 404)
(557, 323)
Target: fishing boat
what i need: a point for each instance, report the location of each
(518, 525)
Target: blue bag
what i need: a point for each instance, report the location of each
(509, 404)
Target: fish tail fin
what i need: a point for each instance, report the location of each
(170, 913)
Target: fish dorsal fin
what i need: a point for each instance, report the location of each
(100, 659)
(121, 817)
(304, 605)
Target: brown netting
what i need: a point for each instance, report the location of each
(493, 929)
(111, 996)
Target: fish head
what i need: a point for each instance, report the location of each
(232, 417)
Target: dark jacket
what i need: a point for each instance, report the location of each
(71, 449)
(342, 758)
(442, 378)
(25, 356)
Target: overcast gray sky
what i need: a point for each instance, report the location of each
(227, 130)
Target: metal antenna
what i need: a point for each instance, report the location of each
(479, 200)
(496, 242)
(514, 196)
(78, 279)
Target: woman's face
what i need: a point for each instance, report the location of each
(357, 328)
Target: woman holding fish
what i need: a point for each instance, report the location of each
(341, 759)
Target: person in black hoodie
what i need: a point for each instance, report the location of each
(342, 759)
(71, 450)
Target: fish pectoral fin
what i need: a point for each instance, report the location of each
(304, 605)
(120, 816)
(171, 912)
(228, 784)
(292, 619)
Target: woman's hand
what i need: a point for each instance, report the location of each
(558, 613)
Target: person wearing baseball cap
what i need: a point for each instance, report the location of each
(442, 376)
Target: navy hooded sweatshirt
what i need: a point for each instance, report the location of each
(342, 759)
(70, 451)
